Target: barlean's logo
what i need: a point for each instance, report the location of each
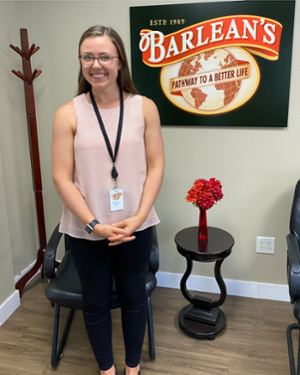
(116, 196)
(208, 68)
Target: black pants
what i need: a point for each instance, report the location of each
(96, 263)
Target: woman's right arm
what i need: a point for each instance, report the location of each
(64, 129)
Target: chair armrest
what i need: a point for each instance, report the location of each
(293, 253)
(154, 258)
(293, 266)
(50, 253)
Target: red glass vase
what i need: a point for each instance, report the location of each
(202, 231)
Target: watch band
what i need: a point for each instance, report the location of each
(90, 226)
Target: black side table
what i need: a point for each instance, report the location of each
(202, 318)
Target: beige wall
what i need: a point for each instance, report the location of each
(257, 167)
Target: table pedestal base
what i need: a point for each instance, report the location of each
(201, 330)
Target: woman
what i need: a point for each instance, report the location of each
(107, 166)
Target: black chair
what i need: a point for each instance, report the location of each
(64, 289)
(293, 275)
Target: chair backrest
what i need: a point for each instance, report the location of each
(295, 213)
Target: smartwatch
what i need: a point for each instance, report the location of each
(89, 227)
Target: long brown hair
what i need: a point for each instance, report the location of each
(124, 78)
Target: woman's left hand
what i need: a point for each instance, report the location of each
(130, 225)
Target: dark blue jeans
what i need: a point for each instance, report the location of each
(96, 263)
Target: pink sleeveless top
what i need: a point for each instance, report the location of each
(93, 165)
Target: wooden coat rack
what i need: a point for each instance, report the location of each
(28, 76)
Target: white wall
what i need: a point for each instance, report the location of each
(258, 167)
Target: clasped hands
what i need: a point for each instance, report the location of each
(120, 232)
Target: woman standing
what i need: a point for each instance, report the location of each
(107, 166)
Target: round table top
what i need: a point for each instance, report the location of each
(217, 247)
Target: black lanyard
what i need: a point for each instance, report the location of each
(114, 173)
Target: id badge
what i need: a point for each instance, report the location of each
(116, 200)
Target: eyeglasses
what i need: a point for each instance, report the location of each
(104, 60)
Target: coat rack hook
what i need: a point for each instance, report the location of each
(32, 77)
(37, 74)
(35, 50)
(19, 74)
(30, 52)
(16, 49)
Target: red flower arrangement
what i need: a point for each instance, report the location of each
(205, 193)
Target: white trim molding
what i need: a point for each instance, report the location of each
(234, 287)
(9, 306)
(172, 280)
(20, 275)
(13, 302)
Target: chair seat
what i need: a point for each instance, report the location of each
(65, 289)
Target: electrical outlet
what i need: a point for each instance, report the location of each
(265, 245)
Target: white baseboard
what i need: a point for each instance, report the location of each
(9, 306)
(20, 275)
(13, 302)
(234, 287)
(172, 280)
